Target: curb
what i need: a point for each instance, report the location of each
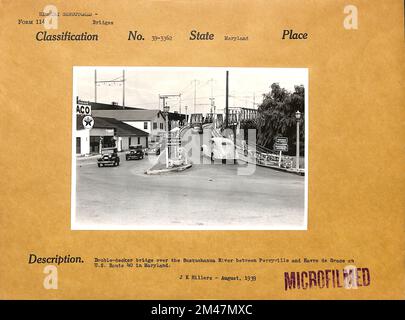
(175, 169)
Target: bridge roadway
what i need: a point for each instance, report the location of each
(204, 196)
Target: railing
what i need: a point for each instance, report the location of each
(251, 152)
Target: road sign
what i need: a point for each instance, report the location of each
(281, 144)
(88, 122)
(282, 140)
(281, 147)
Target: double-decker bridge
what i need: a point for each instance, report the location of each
(231, 127)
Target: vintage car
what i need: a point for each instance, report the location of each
(109, 156)
(197, 128)
(154, 149)
(220, 149)
(135, 153)
(196, 123)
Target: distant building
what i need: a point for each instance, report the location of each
(176, 120)
(107, 132)
(149, 121)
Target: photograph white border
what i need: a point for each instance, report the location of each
(91, 227)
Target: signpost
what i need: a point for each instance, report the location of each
(172, 144)
(281, 145)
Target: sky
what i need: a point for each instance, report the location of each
(143, 86)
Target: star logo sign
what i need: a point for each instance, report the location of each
(88, 122)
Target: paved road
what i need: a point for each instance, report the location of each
(206, 195)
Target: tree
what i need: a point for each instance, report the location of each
(247, 125)
(276, 117)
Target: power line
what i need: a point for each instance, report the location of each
(97, 82)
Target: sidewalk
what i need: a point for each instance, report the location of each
(92, 156)
(271, 165)
(87, 157)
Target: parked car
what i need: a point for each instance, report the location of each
(154, 149)
(109, 156)
(135, 152)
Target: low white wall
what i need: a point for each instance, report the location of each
(84, 136)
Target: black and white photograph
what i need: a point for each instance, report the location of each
(189, 148)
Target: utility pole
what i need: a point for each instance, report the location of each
(164, 101)
(212, 94)
(227, 116)
(167, 96)
(297, 161)
(214, 118)
(166, 113)
(186, 113)
(227, 100)
(95, 85)
(123, 88)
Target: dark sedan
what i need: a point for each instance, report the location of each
(135, 153)
(109, 156)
